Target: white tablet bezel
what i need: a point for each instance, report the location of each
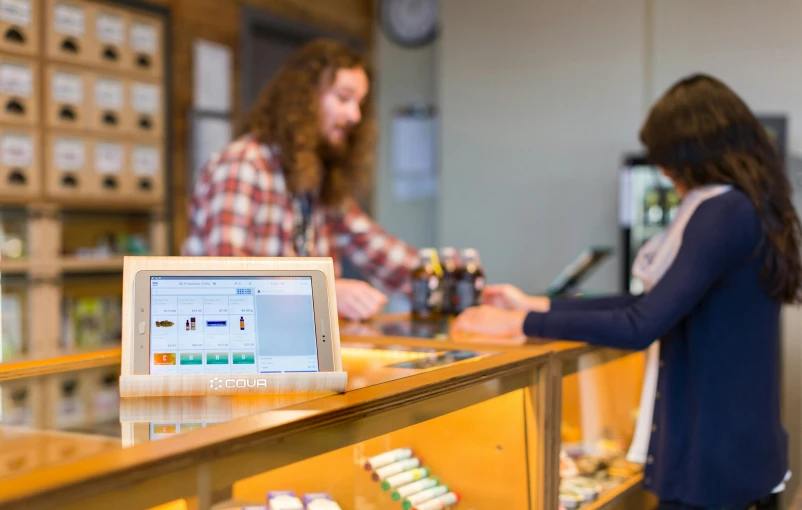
(141, 310)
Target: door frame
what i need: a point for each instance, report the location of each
(252, 20)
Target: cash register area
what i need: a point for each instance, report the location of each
(108, 109)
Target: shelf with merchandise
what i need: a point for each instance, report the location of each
(82, 182)
(600, 399)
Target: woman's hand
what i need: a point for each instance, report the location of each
(490, 321)
(357, 300)
(509, 297)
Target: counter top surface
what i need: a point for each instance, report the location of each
(158, 435)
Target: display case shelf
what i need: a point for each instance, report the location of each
(15, 267)
(91, 265)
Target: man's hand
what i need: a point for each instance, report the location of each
(357, 300)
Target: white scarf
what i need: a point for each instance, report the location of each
(651, 263)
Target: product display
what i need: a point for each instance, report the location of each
(444, 284)
(283, 500)
(450, 261)
(395, 468)
(426, 297)
(587, 473)
(439, 503)
(409, 481)
(387, 458)
(319, 501)
(93, 321)
(469, 281)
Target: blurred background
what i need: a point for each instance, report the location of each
(510, 127)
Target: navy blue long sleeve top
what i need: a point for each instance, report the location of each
(716, 435)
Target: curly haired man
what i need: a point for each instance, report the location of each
(288, 185)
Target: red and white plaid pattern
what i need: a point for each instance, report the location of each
(241, 207)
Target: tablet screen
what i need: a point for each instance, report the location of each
(224, 325)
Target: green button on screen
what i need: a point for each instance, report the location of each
(217, 358)
(192, 358)
(243, 358)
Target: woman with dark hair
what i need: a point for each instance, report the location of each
(289, 185)
(715, 281)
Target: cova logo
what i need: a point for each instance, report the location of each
(233, 382)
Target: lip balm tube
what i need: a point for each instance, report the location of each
(439, 503)
(424, 496)
(395, 468)
(404, 478)
(387, 458)
(414, 487)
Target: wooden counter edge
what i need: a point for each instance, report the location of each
(126, 466)
(68, 363)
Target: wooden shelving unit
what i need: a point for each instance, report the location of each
(83, 113)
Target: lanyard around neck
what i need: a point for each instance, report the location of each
(302, 219)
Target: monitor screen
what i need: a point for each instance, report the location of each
(232, 325)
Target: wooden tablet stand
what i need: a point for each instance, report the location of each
(132, 385)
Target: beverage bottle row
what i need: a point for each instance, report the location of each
(448, 287)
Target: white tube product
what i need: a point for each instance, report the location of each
(414, 487)
(426, 495)
(404, 478)
(387, 458)
(439, 503)
(395, 468)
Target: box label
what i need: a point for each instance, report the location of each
(143, 38)
(67, 88)
(109, 94)
(16, 80)
(69, 20)
(145, 161)
(109, 158)
(16, 151)
(110, 29)
(69, 155)
(145, 98)
(17, 12)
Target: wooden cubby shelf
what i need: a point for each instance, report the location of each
(81, 166)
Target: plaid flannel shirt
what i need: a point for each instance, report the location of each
(241, 207)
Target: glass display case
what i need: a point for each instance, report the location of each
(600, 398)
(469, 423)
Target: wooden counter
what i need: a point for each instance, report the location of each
(567, 391)
(380, 399)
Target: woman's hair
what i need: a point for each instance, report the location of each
(700, 132)
(287, 115)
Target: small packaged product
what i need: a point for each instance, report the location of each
(320, 501)
(283, 500)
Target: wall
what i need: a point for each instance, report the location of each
(539, 105)
(403, 76)
(219, 21)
